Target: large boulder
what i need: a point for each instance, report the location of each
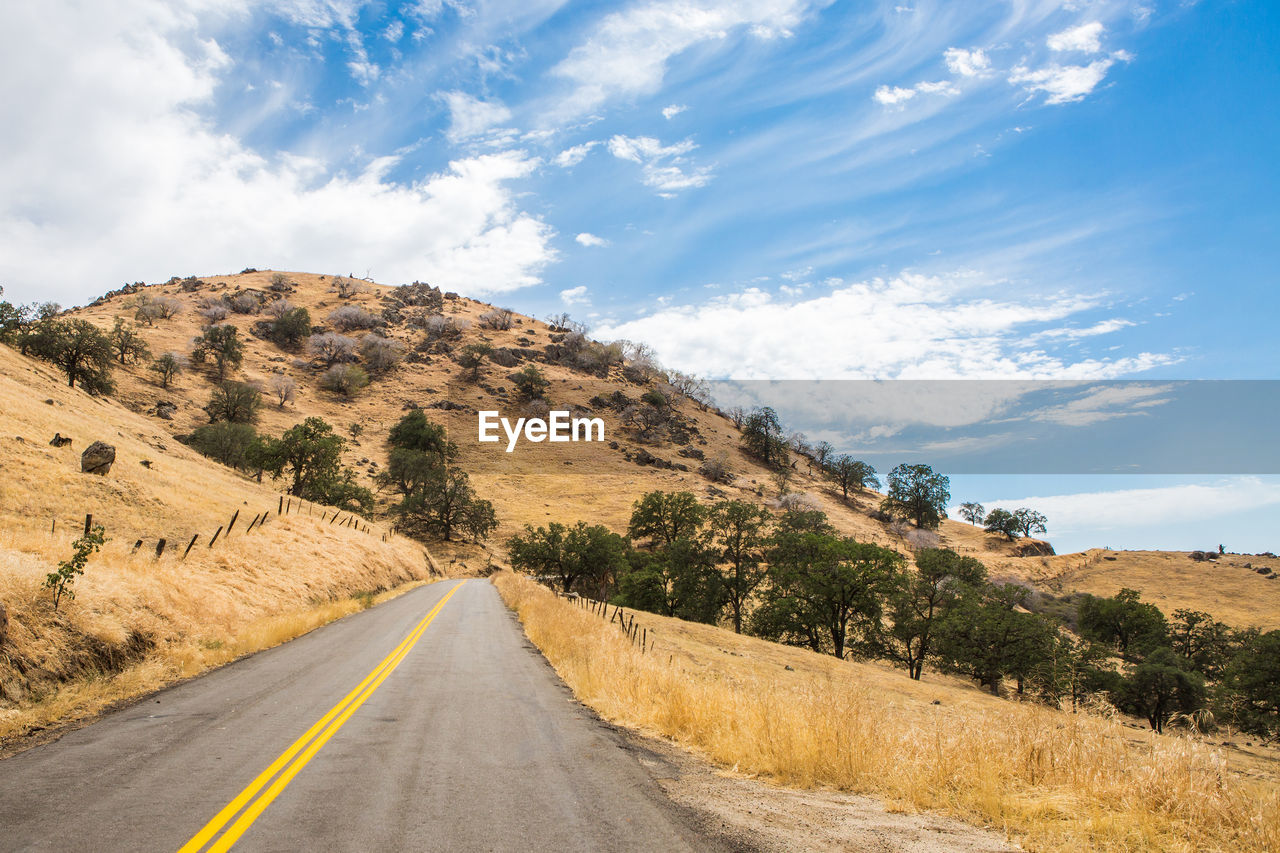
(97, 459)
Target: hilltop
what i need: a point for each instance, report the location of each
(594, 482)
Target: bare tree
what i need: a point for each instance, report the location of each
(279, 307)
(245, 303)
(499, 319)
(332, 347)
(380, 354)
(283, 388)
(348, 287)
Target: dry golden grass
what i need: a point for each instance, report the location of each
(1049, 779)
(138, 622)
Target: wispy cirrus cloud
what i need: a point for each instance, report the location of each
(665, 168)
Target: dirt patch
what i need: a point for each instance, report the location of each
(754, 815)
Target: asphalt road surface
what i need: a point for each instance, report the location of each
(426, 723)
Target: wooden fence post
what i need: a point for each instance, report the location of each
(160, 548)
(215, 536)
(136, 546)
(190, 545)
(232, 523)
(280, 508)
(88, 523)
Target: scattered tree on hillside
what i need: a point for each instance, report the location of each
(127, 344)
(223, 346)
(79, 348)
(282, 388)
(291, 327)
(665, 517)
(1029, 521)
(762, 437)
(529, 383)
(973, 512)
(471, 357)
(499, 319)
(1134, 628)
(849, 473)
(918, 493)
(447, 504)
(167, 367)
(919, 601)
(236, 402)
(1160, 687)
(588, 556)
(739, 536)
(1003, 522)
(350, 318)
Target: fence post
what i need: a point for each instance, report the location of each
(190, 545)
(136, 546)
(280, 508)
(249, 529)
(160, 548)
(332, 520)
(54, 528)
(215, 536)
(232, 523)
(88, 523)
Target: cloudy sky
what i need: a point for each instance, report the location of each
(761, 189)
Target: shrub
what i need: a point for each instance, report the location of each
(280, 283)
(279, 307)
(499, 319)
(291, 328)
(245, 303)
(215, 313)
(350, 317)
(443, 328)
(381, 354)
(717, 470)
(529, 382)
(332, 347)
(345, 379)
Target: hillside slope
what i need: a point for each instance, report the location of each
(137, 619)
(596, 482)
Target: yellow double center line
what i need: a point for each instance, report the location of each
(303, 750)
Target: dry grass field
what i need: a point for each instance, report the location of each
(137, 621)
(1050, 780)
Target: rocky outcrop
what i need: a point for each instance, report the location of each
(97, 459)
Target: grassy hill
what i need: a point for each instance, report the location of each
(139, 621)
(591, 482)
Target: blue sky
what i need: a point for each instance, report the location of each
(760, 189)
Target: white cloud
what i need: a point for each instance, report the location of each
(910, 327)
(394, 31)
(893, 95)
(627, 53)
(1086, 38)
(663, 166)
(126, 173)
(575, 295)
(673, 110)
(966, 63)
(1187, 503)
(1103, 327)
(471, 117)
(586, 239)
(1063, 84)
(575, 155)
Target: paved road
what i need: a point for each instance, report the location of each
(467, 741)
